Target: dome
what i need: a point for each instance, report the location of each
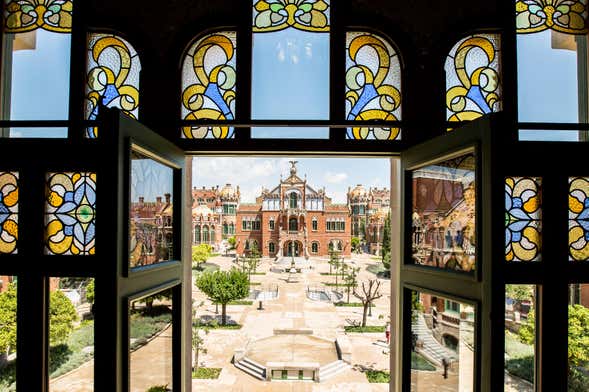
(228, 191)
(202, 210)
(358, 191)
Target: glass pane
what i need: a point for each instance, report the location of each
(373, 85)
(473, 77)
(150, 344)
(70, 213)
(523, 219)
(208, 85)
(8, 333)
(71, 334)
(443, 344)
(552, 46)
(520, 337)
(151, 211)
(444, 216)
(112, 77)
(36, 64)
(578, 350)
(290, 45)
(579, 218)
(8, 212)
(290, 133)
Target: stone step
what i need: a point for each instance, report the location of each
(332, 369)
(250, 370)
(253, 364)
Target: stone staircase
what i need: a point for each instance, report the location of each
(331, 369)
(252, 368)
(431, 349)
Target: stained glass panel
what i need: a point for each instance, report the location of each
(444, 214)
(70, 219)
(151, 211)
(523, 218)
(276, 15)
(8, 211)
(27, 15)
(565, 16)
(373, 85)
(208, 85)
(473, 77)
(112, 77)
(579, 218)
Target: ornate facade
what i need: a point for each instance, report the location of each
(293, 218)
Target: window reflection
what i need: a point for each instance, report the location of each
(578, 350)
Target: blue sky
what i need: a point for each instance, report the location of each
(291, 80)
(251, 174)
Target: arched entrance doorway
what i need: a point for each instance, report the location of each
(293, 248)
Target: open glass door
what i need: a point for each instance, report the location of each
(447, 197)
(145, 295)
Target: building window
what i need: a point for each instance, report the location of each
(231, 228)
(225, 229)
(205, 234)
(314, 224)
(293, 200)
(271, 224)
(315, 247)
(292, 224)
(271, 247)
(256, 225)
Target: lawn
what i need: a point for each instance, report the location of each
(519, 359)
(143, 326)
(350, 305)
(68, 356)
(379, 376)
(204, 372)
(366, 329)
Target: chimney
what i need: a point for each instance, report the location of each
(168, 196)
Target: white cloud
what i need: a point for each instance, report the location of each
(335, 178)
(294, 58)
(337, 197)
(281, 56)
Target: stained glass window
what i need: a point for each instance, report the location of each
(373, 85)
(8, 211)
(36, 64)
(579, 218)
(208, 85)
(473, 74)
(290, 66)
(112, 77)
(70, 219)
(565, 16)
(523, 218)
(27, 15)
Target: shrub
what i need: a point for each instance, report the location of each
(203, 372)
(378, 376)
(522, 367)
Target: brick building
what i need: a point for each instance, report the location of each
(369, 210)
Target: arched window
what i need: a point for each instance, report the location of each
(231, 228)
(271, 247)
(314, 224)
(197, 234)
(373, 85)
(112, 79)
(314, 247)
(212, 234)
(473, 77)
(271, 224)
(293, 197)
(292, 224)
(208, 85)
(205, 234)
(225, 228)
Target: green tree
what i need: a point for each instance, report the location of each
(232, 242)
(520, 292)
(416, 305)
(62, 315)
(198, 337)
(200, 254)
(578, 336)
(355, 243)
(8, 319)
(527, 331)
(252, 260)
(166, 294)
(386, 261)
(90, 291)
(223, 287)
(386, 238)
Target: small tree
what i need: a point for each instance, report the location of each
(90, 292)
(355, 243)
(200, 254)
(252, 261)
(8, 320)
(386, 238)
(223, 287)
(369, 294)
(335, 262)
(197, 338)
(232, 243)
(351, 281)
(62, 315)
